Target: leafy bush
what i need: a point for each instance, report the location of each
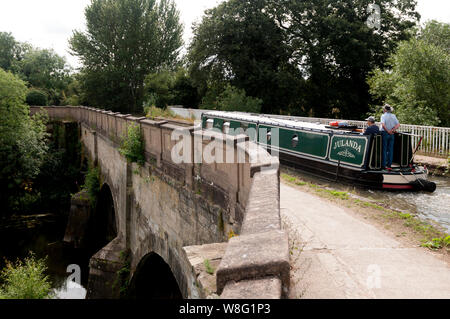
(25, 280)
(133, 147)
(234, 99)
(37, 98)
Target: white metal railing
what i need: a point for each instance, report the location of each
(436, 140)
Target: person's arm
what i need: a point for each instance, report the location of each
(383, 123)
(395, 127)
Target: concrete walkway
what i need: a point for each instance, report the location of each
(346, 257)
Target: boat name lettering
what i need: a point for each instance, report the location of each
(348, 143)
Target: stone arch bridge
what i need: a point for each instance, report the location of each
(178, 218)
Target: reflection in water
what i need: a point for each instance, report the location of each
(431, 206)
(70, 290)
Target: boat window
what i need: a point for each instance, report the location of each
(244, 126)
(294, 141)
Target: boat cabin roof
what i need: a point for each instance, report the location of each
(264, 119)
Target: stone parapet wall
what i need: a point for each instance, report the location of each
(256, 262)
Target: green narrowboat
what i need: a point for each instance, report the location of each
(332, 153)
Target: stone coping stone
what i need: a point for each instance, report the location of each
(174, 127)
(175, 121)
(124, 116)
(255, 256)
(263, 211)
(259, 289)
(133, 118)
(152, 122)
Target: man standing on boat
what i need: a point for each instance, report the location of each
(372, 129)
(390, 125)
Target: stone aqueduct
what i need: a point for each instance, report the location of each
(184, 213)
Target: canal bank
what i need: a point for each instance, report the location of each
(343, 252)
(436, 166)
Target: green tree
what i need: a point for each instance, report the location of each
(436, 33)
(25, 280)
(46, 70)
(170, 88)
(75, 94)
(8, 50)
(159, 89)
(37, 98)
(332, 42)
(125, 40)
(22, 143)
(185, 91)
(234, 99)
(40, 68)
(240, 43)
(416, 83)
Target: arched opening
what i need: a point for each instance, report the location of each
(102, 227)
(154, 279)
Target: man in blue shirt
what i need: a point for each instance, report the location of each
(372, 129)
(390, 125)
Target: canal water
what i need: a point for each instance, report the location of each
(428, 206)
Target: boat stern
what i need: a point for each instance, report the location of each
(414, 179)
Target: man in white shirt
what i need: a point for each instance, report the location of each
(390, 125)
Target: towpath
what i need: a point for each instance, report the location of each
(344, 256)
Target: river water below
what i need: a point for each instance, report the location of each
(428, 206)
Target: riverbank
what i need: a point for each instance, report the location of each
(436, 166)
(341, 249)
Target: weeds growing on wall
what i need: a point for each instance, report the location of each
(123, 275)
(133, 147)
(92, 185)
(209, 269)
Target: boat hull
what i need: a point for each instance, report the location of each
(381, 180)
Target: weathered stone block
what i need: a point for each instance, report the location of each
(267, 288)
(80, 212)
(255, 256)
(196, 256)
(103, 268)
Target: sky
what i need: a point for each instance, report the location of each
(49, 23)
